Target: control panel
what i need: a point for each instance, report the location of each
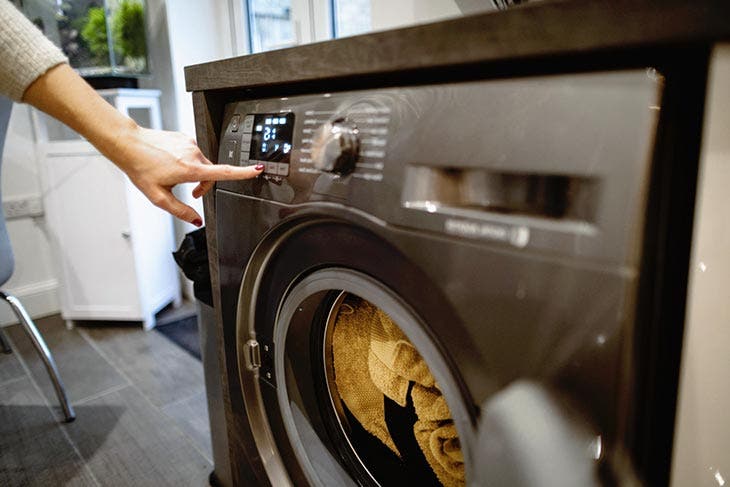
(300, 139)
(549, 161)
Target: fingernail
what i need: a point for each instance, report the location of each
(259, 167)
(197, 222)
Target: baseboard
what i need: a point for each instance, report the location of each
(39, 299)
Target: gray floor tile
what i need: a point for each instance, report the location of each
(10, 367)
(161, 370)
(191, 415)
(127, 441)
(171, 314)
(33, 449)
(83, 370)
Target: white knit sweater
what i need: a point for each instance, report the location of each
(25, 53)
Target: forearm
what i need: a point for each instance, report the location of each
(64, 95)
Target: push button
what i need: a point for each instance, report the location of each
(231, 152)
(248, 124)
(272, 168)
(235, 122)
(282, 169)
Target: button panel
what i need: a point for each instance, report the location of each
(237, 149)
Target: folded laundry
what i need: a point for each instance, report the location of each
(373, 358)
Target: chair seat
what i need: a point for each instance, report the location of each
(7, 263)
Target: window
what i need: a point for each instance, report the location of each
(350, 17)
(270, 24)
(275, 24)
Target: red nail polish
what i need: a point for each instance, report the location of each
(259, 167)
(197, 222)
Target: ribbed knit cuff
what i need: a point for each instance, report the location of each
(25, 53)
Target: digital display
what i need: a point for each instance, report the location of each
(271, 138)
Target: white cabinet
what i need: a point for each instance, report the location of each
(113, 246)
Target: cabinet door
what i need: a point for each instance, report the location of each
(89, 223)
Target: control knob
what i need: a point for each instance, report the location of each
(336, 147)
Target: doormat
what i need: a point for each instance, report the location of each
(184, 333)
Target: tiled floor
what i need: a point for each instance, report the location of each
(141, 415)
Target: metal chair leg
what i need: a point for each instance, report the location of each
(43, 352)
(4, 347)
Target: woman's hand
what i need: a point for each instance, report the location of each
(157, 160)
(154, 160)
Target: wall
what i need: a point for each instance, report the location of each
(189, 33)
(387, 14)
(35, 280)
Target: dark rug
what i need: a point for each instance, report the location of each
(184, 333)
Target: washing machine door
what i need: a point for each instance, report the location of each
(343, 380)
(346, 353)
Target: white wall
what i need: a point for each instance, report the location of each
(197, 31)
(35, 280)
(388, 14)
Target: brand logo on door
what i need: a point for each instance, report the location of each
(518, 236)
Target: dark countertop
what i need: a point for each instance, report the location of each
(539, 30)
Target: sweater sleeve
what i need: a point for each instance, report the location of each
(25, 53)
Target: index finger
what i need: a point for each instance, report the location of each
(224, 172)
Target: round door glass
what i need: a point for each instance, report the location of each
(388, 406)
(365, 396)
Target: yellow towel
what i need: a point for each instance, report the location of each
(394, 351)
(440, 445)
(350, 347)
(430, 404)
(373, 357)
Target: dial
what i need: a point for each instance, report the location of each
(336, 147)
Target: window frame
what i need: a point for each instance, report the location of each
(307, 23)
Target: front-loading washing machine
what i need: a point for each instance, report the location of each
(453, 275)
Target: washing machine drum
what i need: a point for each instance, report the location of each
(389, 408)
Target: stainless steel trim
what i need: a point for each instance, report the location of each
(253, 357)
(329, 374)
(44, 353)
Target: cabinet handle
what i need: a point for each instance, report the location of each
(126, 234)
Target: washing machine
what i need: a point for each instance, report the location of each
(450, 274)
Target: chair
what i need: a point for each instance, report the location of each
(7, 265)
